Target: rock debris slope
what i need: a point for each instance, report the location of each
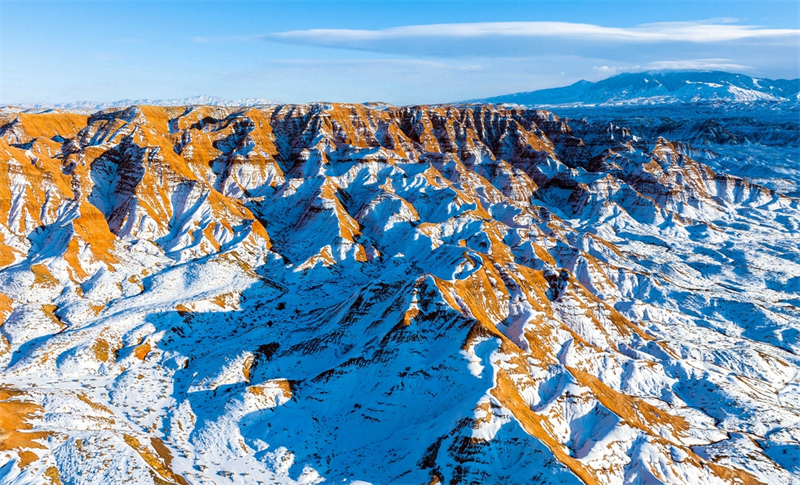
(292, 294)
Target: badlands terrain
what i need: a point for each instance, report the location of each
(394, 295)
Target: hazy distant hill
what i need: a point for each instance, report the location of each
(90, 106)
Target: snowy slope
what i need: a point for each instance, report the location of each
(661, 88)
(757, 142)
(306, 293)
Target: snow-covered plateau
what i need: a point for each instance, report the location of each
(339, 293)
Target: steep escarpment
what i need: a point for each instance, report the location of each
(299, 293)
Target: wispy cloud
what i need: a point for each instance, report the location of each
(403, 80)
(711, 64)
(431, 63)
(716, 30)
(611, 70)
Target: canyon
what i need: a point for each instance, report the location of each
(466, 293)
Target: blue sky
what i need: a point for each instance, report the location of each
(398, 52)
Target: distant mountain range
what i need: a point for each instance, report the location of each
(659, 88)
(628, 89)
(204, 100)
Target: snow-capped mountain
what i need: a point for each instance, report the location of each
(92, 106)
(659, 88)
(331, 292)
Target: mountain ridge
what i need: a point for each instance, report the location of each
(92, 106)
(660, 87)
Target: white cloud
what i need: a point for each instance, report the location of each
(716, 30)
(711, 64)
(611, 70)
(446, 62)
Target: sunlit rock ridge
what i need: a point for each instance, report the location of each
(333, 292)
